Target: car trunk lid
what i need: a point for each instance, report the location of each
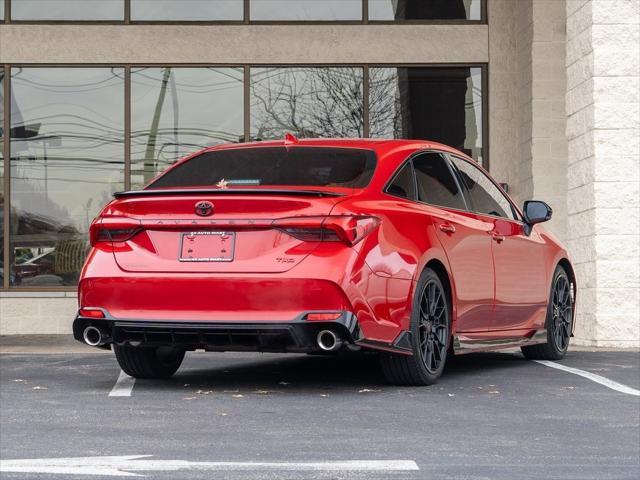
(174, 232)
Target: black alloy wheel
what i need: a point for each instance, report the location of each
(430, 336)
(559, 322)
(433, 329)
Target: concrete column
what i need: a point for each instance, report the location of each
(527, 88)
(548, 116)
(603, 130)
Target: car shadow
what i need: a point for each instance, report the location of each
(310, 372)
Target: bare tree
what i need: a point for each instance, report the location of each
(308, 102)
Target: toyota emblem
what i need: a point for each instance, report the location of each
(204, 208)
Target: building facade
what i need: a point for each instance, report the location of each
(101, 95)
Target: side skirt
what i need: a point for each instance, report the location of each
(465, 343)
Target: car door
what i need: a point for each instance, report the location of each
(464, 237)
(520, 286)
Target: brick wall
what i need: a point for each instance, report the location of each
(603, 129)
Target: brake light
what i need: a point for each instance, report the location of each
(349, 229)
(113, 229)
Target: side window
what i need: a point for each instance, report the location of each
(485, 196)
(402, 184)
(436, 183)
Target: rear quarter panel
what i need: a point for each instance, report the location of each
(395, 253)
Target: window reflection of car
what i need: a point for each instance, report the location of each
(41, 264)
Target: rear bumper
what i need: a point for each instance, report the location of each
(298, 335)
(211, 298)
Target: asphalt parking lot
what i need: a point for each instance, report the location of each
(265, 416)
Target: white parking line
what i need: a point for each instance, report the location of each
(123, 386)
(127, 465)
(619, 387)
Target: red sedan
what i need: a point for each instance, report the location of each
(406, 247)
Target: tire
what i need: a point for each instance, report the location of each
(430, 330)
(559, 322)
(148, 362)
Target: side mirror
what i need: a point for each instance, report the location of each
(536, 211)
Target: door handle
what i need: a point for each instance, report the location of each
(447, 227)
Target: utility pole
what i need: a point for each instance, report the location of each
(149, 155)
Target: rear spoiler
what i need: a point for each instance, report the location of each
(220, 191)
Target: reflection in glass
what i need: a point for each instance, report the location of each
(306, 101)
(177, 111)
(306, 10)
(391, 10)
(439, 104)
(1, 177)
(67, 10)
(186, 10)
(66, 160)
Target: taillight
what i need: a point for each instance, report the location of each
(113, 229)
(349, 229)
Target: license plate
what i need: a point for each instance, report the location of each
(207, 246)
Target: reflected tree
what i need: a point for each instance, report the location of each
(308, 102)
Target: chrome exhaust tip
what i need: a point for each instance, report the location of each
(328, 341)
(94, 337)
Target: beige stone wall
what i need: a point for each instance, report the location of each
(35, 312)
(240, 44)
(503, 94)
(603, 128)
(527, 88)
(548, 115)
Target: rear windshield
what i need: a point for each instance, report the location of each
(252, 167)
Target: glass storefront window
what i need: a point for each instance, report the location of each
(2, 80)
(89, 10)
(67, 156)
(187, 10)
(401, 10)
(67, 152)
(177, 111)
(306, 10)
(439, 104)
(306, 101)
